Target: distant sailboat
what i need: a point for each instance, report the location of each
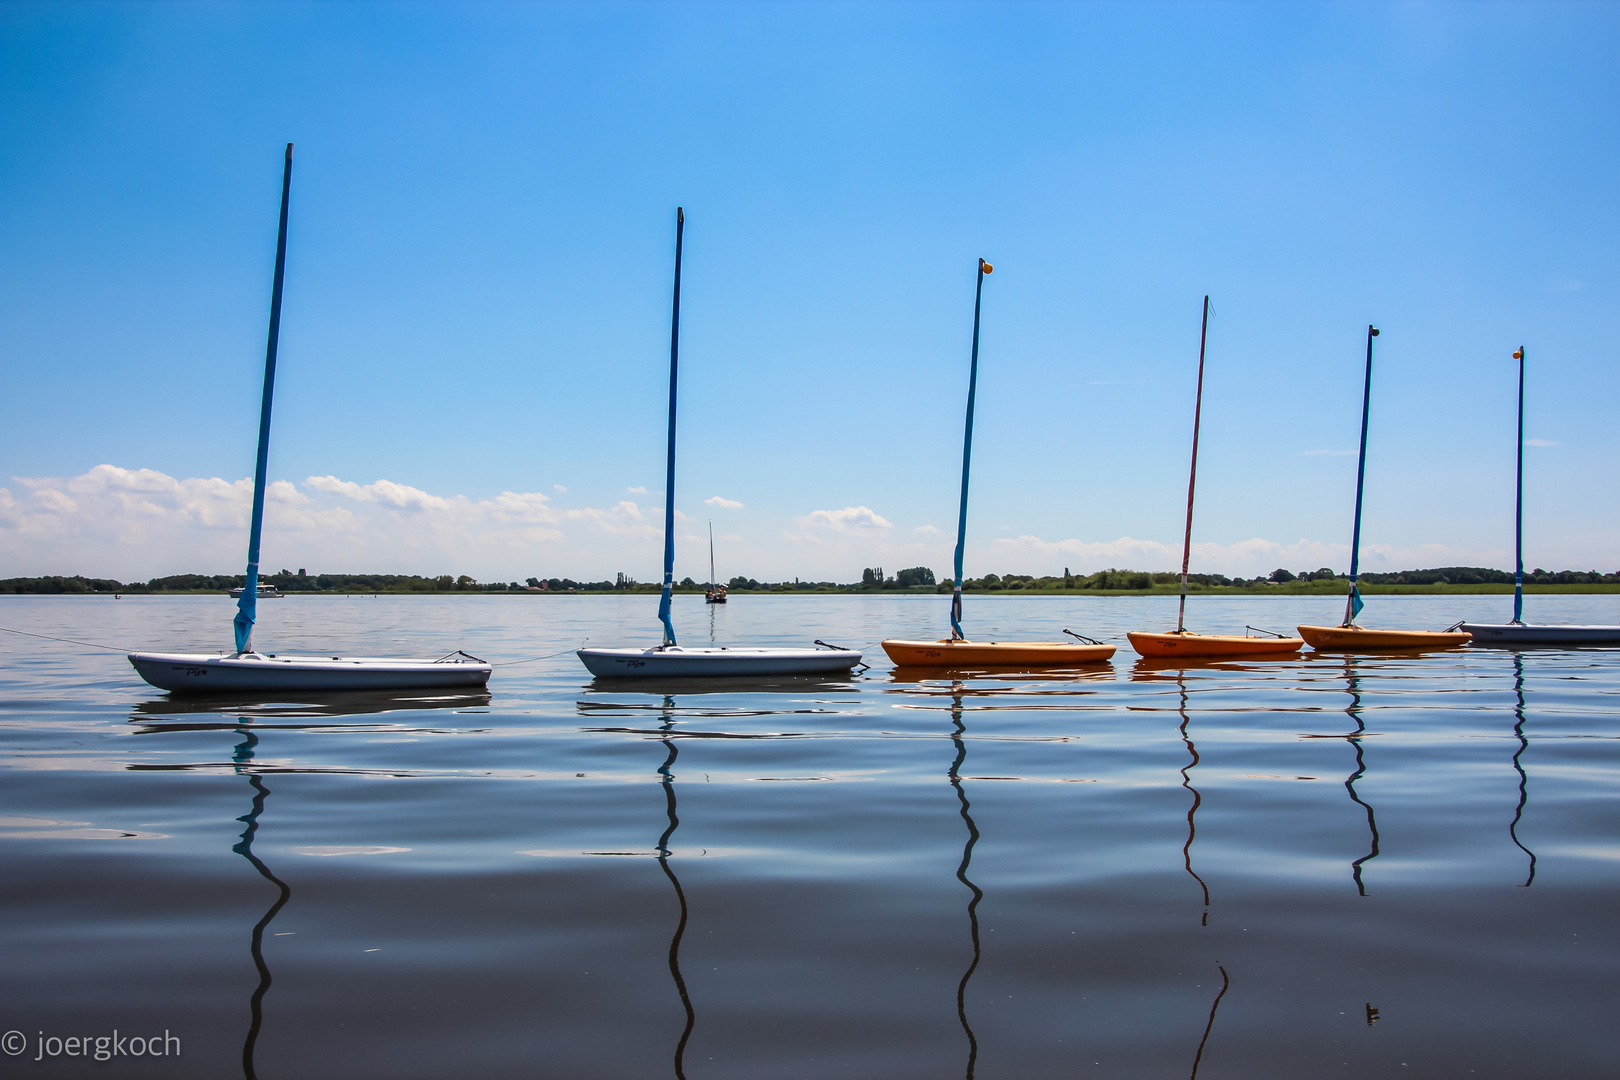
(1518, 632)
(670, 659)
(1184, 642)
(246, 670)
(716, 594)
(957, 651)
(1348, 637)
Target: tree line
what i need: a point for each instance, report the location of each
(873, 579)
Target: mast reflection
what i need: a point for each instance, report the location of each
(241, 760)
(1354, 710)
(955, 775)
(1524, 744)
(1192, 811)
(1226, 981)
(666, 775)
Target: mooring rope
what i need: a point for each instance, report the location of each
(70, 641)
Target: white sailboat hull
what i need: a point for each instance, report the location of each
(1530, 634)
(210, 673)
(676, 662)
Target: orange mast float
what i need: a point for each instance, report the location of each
(1184, 642)
(957, 651)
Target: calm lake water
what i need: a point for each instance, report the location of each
(1314, 866)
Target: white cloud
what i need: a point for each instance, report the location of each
(559, 489)
(137, 523)
(929, 530)
(637, 490)
(724, 504)
(849, 519)
(1539, 442)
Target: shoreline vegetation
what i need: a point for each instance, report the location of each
(915, 581)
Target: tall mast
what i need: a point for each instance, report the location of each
(669, 474)
(1352, 603)
(711, 556)
(967, 456)
(247, 606)
(1518, 506)
(1192, 473)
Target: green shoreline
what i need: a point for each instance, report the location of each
(1290, 589)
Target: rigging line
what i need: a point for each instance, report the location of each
(532, 659)
(1192, 472)
(70, 641)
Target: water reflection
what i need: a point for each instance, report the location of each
(1353, 681)
(666, 773)
(1198, 1059)
(1192, 811)
(955, 775)
(241, 759)
(309, 706)
(1524, 744)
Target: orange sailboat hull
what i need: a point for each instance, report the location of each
(1358, 639)
(1189, 644)
(960, 654)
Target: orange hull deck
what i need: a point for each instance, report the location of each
(1190, 644)
(1358, 639)
(966, 654)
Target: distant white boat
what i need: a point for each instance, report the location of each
(265, 592)
(674, 661)
(211, 673)
(246, 669)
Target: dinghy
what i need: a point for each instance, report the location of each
(1518, 632)
(1187, 643)
(669, 659)
(250, 671)
(1347, 636)
(957, 651)
(246, 669)
(714, 594)
(1184, 642)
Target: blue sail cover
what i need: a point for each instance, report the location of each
(247, 607)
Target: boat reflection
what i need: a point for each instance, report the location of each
(1192, 812)
(242, 759)
(730, 684)
(1518, 766)
(1353, 682)
(233, 709)
(666, 775)
(955, 776)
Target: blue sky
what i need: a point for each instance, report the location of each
(476, 326)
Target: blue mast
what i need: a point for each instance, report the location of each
(1518, 508)
(669, 476)
(247, 606)
(967, 455)
(1353, 605)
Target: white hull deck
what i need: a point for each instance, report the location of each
(1533, 634)
(714, 661)
(210, 673)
